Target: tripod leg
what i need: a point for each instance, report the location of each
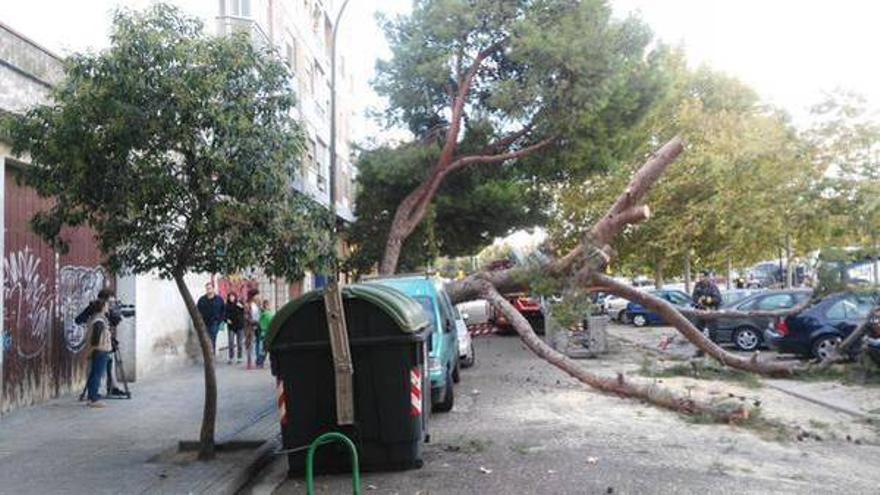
(120, 373)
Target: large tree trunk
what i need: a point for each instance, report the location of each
(209, 414)
(618, 386)
(658, 272)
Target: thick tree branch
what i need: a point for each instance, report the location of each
(505, 142)
(611, 225)
(619, 385)
(672, 316)
(503, 157)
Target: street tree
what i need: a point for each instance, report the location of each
(178, 150)
(844, 142)
(733, 196)
(471, 208)
(490, 83)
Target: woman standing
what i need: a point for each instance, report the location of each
(252, 331)
(234, 325)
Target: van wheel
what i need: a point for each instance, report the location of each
(449, 399)
(456, 372)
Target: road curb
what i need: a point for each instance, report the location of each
(814, 400)
(774, 386)
(237, 479)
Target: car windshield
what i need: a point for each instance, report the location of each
(427, 305)
(678, 298)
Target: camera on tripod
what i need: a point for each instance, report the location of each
(118, 311)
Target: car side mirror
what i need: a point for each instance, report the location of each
(448, 327)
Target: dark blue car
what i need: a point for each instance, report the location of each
(641, 316)
(819, 328)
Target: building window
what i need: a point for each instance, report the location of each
(322, 165)
(240, 8)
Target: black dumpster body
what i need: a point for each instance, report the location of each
(387, 335)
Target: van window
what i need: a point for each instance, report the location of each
(446, 311)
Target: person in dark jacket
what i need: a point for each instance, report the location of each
(235, 326)
(706, 293)
(213, 311)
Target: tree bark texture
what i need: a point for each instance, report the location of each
(618, 386)
(412, 209)
(209, 414)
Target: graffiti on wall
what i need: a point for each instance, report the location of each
(28, 306)
(77, 285)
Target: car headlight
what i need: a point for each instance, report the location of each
(434, 365)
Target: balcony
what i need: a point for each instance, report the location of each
(230, 24)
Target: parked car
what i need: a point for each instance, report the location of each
(615, 307)
(747, 334)
(641, 316)
(819, 328)
(466, 355)
(528, 307)
(443, 357)
(733, 296)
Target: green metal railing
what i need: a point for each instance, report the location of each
(324, 439)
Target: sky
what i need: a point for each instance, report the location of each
(790, 51)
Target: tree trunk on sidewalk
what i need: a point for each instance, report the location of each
(789, 273)
(209, 415)
(729, 274)
(658, 273)
(687, 272)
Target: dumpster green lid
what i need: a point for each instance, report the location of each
(405, 311)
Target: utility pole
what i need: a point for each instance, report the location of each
(333, 303)
(333, 111)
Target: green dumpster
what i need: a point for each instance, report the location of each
(387, 333)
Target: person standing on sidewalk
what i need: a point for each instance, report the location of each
(101, 345)
(235, 325)
(266, 315)
(252, 330)
(213, 311)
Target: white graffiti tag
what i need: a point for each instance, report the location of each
(77, 285)
(28, 303)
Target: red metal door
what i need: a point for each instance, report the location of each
(43, 292)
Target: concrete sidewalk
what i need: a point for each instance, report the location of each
(130, 445)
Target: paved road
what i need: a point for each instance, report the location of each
(522, 427)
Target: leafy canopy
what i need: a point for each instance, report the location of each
(472, 207)
(178, 149)
(558, 70)
(742, 185)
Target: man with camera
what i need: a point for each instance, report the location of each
(100, 341)
(101, 317)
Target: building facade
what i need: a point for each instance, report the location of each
(42, 347)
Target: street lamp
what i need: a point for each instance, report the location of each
(333, 113)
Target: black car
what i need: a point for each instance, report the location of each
(816, 330)
(747, 334)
